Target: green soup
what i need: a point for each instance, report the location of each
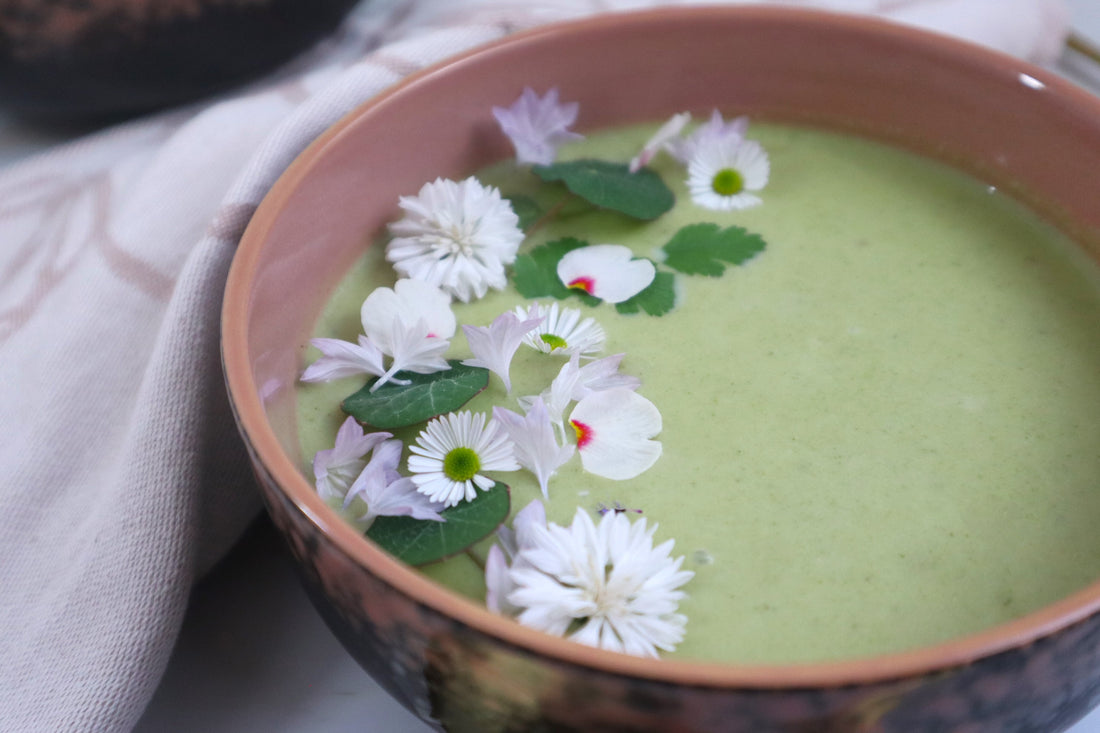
(880, 433)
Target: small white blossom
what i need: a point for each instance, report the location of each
(458, 236)
(494, 346)
(665, 136)
(452, 453)
(614, 430)
(536, 448)
(563, 331)
(537, 125)
(336, 468)
(385, 492)
(341, 358)
(607, 271)
(575, 382)
(412, 324)
(608, 580)
(723, 176)
(713, 132)
(498, 579)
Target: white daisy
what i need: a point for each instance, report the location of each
(494, 346)
(724, 175)
(562, 331)
(385, 492)
(456, 235)
(537, 450)
(609, 272)
(712, 132)
(665, 135)
(614, 430)
(538, 125)
(336, 468)
(411, 323)
(602, 585)
(452, 453)
(341, 358)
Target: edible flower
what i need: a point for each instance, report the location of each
(335, 469)
(603, 585)
(458, 236)
(388, 494)
(714, 131)
(667, 134)
(575, 382)
(536, 448)
(452, 453)
(494, 346)
(614, 430)
(723, 176)
(412, 324)
(498, 579)
(606, 271)
(341, 358)
(537, 125)
(563, 331)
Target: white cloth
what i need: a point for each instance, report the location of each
(123, 476)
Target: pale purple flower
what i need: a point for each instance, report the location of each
(536, 447)
(712, 132)
(493, 346)
(537, 125)
(388, 494)
(335, 469)
(341, 358)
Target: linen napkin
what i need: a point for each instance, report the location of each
(123, 476)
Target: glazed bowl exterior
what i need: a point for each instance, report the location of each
(453, 662)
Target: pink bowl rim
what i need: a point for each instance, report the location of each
(264, 444)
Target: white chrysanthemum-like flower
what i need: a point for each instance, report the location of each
(609, 272)
(614, 430)
(603, 585)
(452, 453)
(724, 176)
(336, 468)
(538, 125)
(411, 323)
(458, 236)
(713, 132)
(498, 579)
(536, 447)
(563, 331)
(665, 136)
(493, 346)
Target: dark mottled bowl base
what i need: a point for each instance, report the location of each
(115, 70)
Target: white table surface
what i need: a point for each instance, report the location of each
(253, 655)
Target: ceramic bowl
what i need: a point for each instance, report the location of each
(463, 668)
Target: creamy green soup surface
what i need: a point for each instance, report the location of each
(880, 433)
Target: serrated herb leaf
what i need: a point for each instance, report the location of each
(526, 208)
(428, 395)
(420, 541)
(658, 298)
(705, 249)
(535, 274)
(641, 195)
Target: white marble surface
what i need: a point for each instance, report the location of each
(253, 654)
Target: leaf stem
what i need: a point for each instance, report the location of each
(477, 560)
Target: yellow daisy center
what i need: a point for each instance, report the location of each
(727, 182)
(461, 464)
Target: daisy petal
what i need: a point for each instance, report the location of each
(562, 331)
(614, 430)
(724, 176)
(537, 125)
(606, 271)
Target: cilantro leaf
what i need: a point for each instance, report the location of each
(535, 274)
(641, 195)
(705, 249)
(658, 298)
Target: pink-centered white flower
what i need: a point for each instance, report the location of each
(665, 135)
(458, 236)
(388, 494)
(614, 430)
(503, 557)
(536, 447)
(341, 358)
(335, 469)
(603, 585)
(493, 346)
(726, 175)
(713, 132)
(452, 454)
(562, 330)
(575, 382)
(537, 126)
(607, 271)
(412, 323)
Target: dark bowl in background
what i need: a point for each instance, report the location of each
(78, 61)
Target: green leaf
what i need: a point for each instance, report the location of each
(701, 249)
(428, 395)
(641, 195)
(656, 300)
(421, 541)
(535, 274)
(526, 208)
